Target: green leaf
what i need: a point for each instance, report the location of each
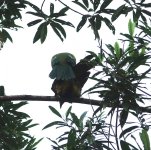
(83, 116)
(55, 111)
(105, 4)
(68, 111)
(128, 130)
(34, 22)
(43, 33)
(131, 27)
(109, 24)
(60, 28)
(6, 35)
(75, 119)
(55, 123)
(64, 22)
(71, 139)
(96, 4)
(33, 6)
(63, 11)
(80, 4)
(86, 3)
(2, 90)
(98, 22)
(117, 12)
(117, 50)
(145, 139)
(51, 8)
(146, 12)
(123, 117)
(124, 145)
(57, 32)
(81, 23)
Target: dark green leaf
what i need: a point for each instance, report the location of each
(2, 90)
(6, 35)
(33, 6)
(146, 12)
(80, 4)
(34, 22)
(55, 123)
(124, 145)
(118, 12)
(37, 14)
(96, 4)
(145, 5)
(71, 139)
(98, 22)
(123, 117)
(55, 111)
(105, 4)
(145, 139)
(136, 15)
(43, 34)
(64, 22)
(51, 8)
(127, 36)
(68, 111)
(57, 32)
(86, 3)
(63, 11)
(109, 24)
(128, 130)
(75, 119)
(81, 23)
(83, 116)
(59, 28)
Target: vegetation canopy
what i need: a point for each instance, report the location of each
(122, 111)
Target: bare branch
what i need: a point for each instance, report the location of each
(53, 98)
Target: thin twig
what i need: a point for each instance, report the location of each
(70, 8)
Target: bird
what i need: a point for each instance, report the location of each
(69, 77)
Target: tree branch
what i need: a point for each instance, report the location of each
(53, 98)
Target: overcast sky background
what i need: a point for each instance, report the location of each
(25, 66)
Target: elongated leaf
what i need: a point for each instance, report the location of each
(55, 123)
(51, 8)
(38, 14)
(105, 4)
(145, 139)
(124, 145)
(55, 111)
(43, 34)
(128, 130)
(117, 50)
(98, 22)
(39, 33)
(96, 4)
(118, 12)
(57, 32)
(81, 23)
(68, 111)
(123, 117)
(131, 27)
(80, 4)
(75, 119)
(64, 22)
(71, 139)
(109, 24)
(33, 6)
(34, 22)
(83, 116)
(63, 11)
(6, 35)
(86, 3)
(146, 12)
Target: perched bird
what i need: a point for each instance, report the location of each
(69, 76)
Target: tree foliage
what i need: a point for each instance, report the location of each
(120, 83)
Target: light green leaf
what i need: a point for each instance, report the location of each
(145, 139)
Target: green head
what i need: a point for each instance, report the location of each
(62, 66)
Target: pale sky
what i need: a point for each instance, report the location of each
(25, 67)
